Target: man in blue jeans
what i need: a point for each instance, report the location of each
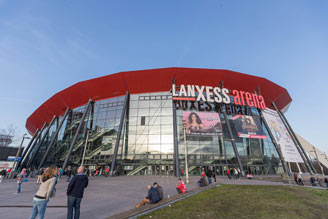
(75, 193)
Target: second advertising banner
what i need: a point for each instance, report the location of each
(248, 127)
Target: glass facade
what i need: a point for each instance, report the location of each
(146, 143)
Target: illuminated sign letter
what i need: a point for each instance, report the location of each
(262, 103)
(200, 93)
(217, 95)
(249, 99)
(191, 90)
(236, 98)
(226, 98)
(174, 93)
(209, 94)
(183, 91)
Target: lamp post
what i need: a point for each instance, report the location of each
(15, 161)
(186, 157)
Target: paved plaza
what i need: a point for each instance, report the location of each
(103, 197)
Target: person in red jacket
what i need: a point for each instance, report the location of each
(181, 187)
(228, 174)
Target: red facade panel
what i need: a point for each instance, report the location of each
(154, 80)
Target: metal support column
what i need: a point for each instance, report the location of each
(277, 146)
(33, 145)
(175, 141)
(42, 140)
(76, 135)
(28, 147)
(118, 138)
(53, 139)
(305, 158)
(232, 140)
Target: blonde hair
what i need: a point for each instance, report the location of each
(49, 173)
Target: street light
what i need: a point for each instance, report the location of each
(15, 161)
(186, 157)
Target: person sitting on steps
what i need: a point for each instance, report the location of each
(181, 187)
(151, 198)
(159, 190)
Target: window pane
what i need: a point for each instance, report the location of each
(144, 104)
(167, 139)
(154, 139)
(167, 120)
(155, 130)
(167, 130)
(143, 112)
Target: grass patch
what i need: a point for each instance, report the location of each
(241, 201)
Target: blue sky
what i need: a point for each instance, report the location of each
(46, 46)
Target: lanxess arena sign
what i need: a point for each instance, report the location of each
(217, 95)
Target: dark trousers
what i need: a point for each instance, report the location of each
(300, 182)
(179, 191)
(73, 203)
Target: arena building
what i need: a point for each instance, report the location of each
(147, 122)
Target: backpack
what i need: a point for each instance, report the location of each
(160, 192)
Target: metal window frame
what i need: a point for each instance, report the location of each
(54, 137)
(42, 140)
(28, 147)
(32, 146)
(118, 138)
(76, 135)
(232, 140)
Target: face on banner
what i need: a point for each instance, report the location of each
(248, 127)
(202, 124)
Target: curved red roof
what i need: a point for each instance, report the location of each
(154, 80)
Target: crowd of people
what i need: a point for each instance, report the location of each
(47, 178)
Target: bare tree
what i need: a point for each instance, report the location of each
(9, 136)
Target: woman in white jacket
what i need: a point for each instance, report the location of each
(45, 191)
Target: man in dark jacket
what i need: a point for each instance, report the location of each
(151, 198)
(160, 190)
(75, 193)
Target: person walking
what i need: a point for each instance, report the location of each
(75, 191)
(236, 173)
(68, 174)
(107, 172)
(3, 174)
(213, 174)
(326, 181)
(20, 178)
(295, 178)
(209, 175)
(46, 190)
(299, 179)
(228, 174)
(8, 173)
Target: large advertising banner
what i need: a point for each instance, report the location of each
(282, 137)
(202, 124)
(248, 126)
